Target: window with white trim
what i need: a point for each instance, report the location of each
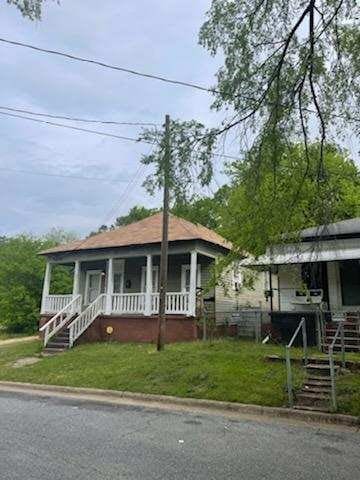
(185, 277)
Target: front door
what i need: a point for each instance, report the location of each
(93, 285)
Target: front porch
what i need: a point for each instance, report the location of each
(129, 286)
(118, 298)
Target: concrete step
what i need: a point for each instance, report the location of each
(319, 378)
(53, 351)
(316, 389)
(326, 382)
(312, 399)
(321, 368)
(312, 408)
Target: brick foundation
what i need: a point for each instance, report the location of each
(139, 329)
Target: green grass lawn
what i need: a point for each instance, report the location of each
(228, 370)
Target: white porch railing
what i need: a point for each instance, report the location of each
(55, 303)
(134, 303)
(176, 303)
(85, 319)
(128, 302)
(59, 320)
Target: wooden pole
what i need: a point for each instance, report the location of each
(164, 241)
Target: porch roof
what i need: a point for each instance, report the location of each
(147, 231)
(315, 251)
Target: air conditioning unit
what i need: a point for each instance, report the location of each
(311, 297)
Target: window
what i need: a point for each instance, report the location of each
(155, 279)
(185, 277)
(350, 282)
(118, 282)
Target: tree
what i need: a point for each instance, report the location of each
(135, 214)
(291, 68)
(21, 277)
(261, 213)
(29, 8)
(204, 210)
(191, 147)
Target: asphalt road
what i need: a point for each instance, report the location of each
(53, 439)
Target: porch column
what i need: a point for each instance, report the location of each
(109, 286)
(192, 289)
(149, 282)
(46, 286)
(76, 280)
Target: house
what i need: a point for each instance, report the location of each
(320, 271)
(116, 282)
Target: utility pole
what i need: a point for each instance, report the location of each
(164, 241)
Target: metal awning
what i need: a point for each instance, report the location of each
(307, 252)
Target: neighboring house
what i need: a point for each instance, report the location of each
(116, 284)
(321, 270)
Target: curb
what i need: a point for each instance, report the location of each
(116, 397)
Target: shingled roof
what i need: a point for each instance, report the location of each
(144, 232)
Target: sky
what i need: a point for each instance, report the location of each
(157, 37)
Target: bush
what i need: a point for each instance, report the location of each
(19, 310)
(21, 279)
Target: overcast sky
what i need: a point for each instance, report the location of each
(158, 37)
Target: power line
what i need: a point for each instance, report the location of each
(71, 127)
(107, 65)
(97, 132)
(77, 119)
(45, 174)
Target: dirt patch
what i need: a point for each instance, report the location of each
(23, 362)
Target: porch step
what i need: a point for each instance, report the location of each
(53, 351)
(59, 344)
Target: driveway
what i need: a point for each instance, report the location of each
(60, 439)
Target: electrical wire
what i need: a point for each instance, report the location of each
(107, 65)
(71, 127)
(58, 175)
(77, 119)
(97, 132)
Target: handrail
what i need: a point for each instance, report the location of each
(59, 320)
(339, 331)
(301, 326)
(85, 319)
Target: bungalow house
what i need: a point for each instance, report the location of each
(319, 272)
(116, 282)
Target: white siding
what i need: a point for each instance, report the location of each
(289, 278)
(228, 300)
